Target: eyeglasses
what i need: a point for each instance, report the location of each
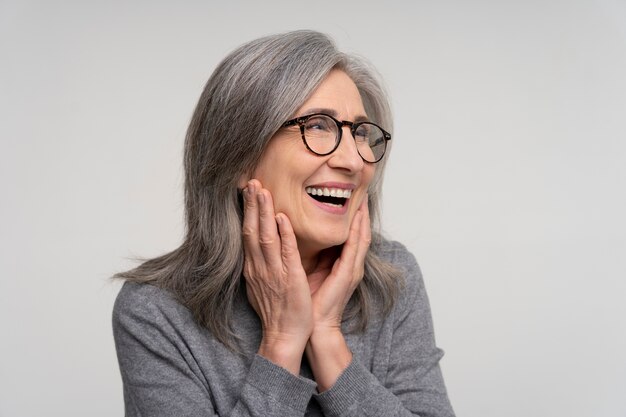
(321, 134)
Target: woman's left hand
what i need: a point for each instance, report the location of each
(326, 350)
(332, 295)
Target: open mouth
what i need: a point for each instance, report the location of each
(337, 197)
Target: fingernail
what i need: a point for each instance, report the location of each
(279, 219)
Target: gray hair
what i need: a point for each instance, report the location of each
(244, 103)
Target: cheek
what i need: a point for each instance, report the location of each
(285, 192)
(368, 175)
(266, 174)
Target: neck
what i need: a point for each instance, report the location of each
(309, 261)
(317, 263)
(310, 255)
(316, 272)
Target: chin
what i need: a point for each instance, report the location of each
(320, 243)
(330, 241)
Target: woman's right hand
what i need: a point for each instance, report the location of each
(276, 283)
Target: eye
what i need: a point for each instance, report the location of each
(363, 132)
(320, 123)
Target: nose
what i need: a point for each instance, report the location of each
(346, 155)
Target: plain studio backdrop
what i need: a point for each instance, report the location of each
(507, 180)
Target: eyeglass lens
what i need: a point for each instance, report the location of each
(321, 134)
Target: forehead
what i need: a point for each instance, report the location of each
(336, 92)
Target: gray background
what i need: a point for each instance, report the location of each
(506, 180)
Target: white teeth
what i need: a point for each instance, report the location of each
(329, 192)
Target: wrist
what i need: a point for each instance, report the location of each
(328, 355)
(283, 351)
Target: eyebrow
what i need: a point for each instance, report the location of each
(332, 112)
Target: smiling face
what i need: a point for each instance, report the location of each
(295, 176)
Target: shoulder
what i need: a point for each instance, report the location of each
(145, 305)
(136, 296)
(396, 254)
(412, 289)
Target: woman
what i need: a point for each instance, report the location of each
(281, 301)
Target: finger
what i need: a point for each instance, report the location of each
(269, 240)
(346, 260)
(250, 226)
(288, 243)
(354, 251)
(354, 238)
(359, 230)
(365, 234)
(327, 258)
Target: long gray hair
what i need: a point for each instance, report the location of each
(246, 100)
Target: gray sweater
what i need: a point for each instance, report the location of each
(171, 366)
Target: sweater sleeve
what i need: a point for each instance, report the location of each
(161, 377)
(414, 384)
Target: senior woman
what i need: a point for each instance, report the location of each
(281, 301)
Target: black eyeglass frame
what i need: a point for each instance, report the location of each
(301, 121)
